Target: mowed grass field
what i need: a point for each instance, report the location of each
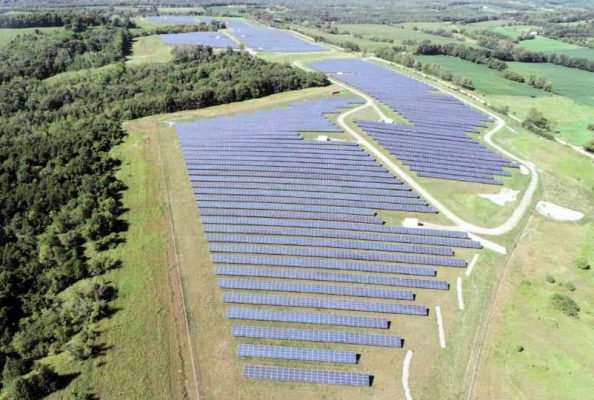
(572, 83)
(485, 79)
(7, 34)
(553, 46)
(569, 107)
(435, 372)
(143, 342)
(150, 49)
(532, 349)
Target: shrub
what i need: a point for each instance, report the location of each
(551, 279)
(519, 348)
(582, 263)
(591, 127)
(565, 304)
(570, 286)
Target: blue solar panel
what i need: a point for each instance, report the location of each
(339, 234)
(331, 243)
(307, 335)
(268, 39)
(305, 375)
(331, 277)
(439, 123)
(245, 284)
(306, 318)
(334, 253)
(212, 39)
(324, 303)
(322, 264)
(296, 353)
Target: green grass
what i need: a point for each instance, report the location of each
(150, 49)
(142, 359)
(485, 79)
(7, 34)
(569, 82)
(571, 119)
(514, 31)
(552, 46)
(396, 32)
(553, 364)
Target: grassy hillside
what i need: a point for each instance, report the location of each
(533, 350)
(569, 82)
(552, 46)
(486, 80)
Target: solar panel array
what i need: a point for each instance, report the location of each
(293, 231)
(322, 336)
(264, 38)
(254, 314)
(212, 39)
(296, 353)
(436, 145)
(305, 375)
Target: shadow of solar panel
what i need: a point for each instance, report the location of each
(324, 303)
(243, 284)
(296, 353)
(306, 318)
(331, 277)
(306, 375)
(323, 336)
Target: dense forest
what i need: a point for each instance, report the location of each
(60, 204)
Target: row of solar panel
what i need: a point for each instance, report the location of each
(305, 375)
(253, 314)
(307, 335)
(345, 265)
(335, 234)
(277, 286)
(330, 243)
(324, 303)
(331, 277)
(334, 253)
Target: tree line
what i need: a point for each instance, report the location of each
(60, 205)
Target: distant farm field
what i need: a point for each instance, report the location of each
(552, 46)
(398, 33)
(573, 83)
(486, 80)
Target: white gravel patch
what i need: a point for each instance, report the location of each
(440, 330)
(505, 195)
(558, 213)
(524, 170)
(405, 373)
(472, 264)
(459, 291)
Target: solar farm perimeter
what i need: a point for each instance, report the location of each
(307, 287)
(315, 285)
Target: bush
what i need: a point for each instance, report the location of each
(570, 286)
(519, 348)
(565, 304)
(589, 146)
(551, 279)
(591, 127)
(582, 263)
